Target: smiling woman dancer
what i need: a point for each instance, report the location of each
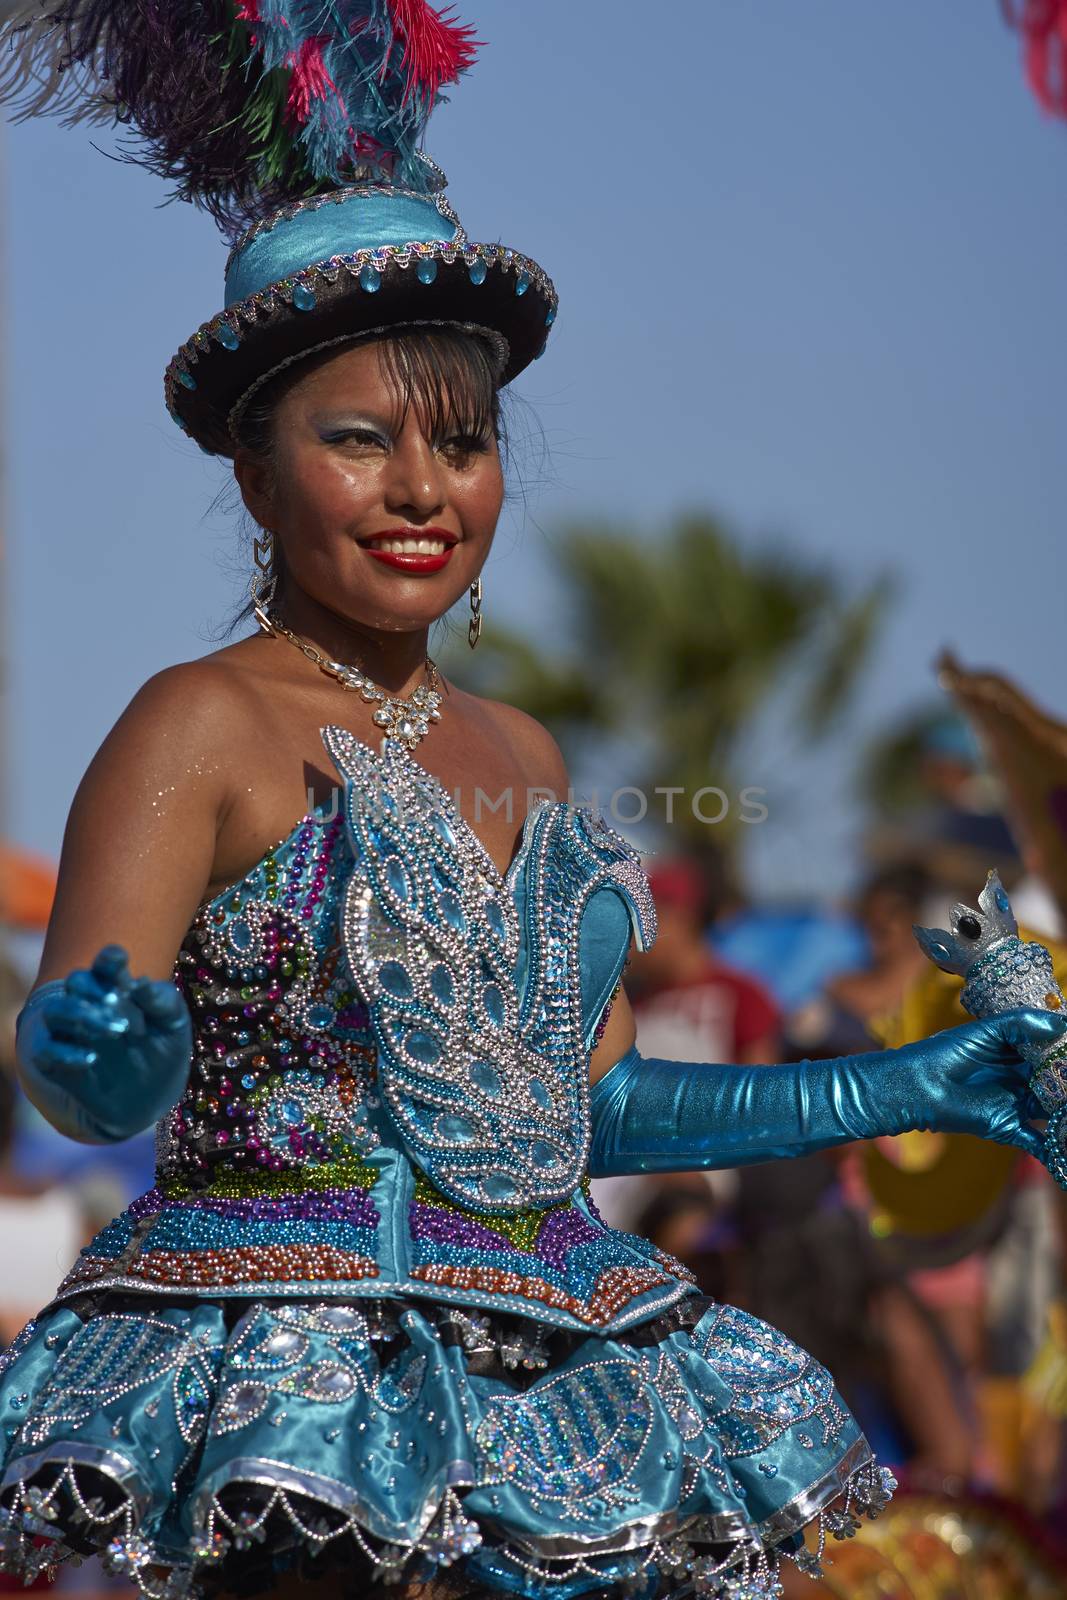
(368, 1329)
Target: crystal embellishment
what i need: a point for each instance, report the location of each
(973, 933)
(1003, 973)
(409, 720)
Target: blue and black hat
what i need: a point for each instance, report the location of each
(296, 124)
(361, 261)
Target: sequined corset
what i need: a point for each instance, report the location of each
(389, 1091)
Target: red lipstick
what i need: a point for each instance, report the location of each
(422, 550)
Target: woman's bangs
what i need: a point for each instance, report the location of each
(448, 377)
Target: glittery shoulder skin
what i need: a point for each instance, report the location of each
(487, 1088)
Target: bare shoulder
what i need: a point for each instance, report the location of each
(178, 728)
(530, 744)
(201, 696)
(141, 837)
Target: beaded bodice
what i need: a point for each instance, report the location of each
(390, 1067)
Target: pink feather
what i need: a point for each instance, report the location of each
(435, 47)
(1043, 25)
(308, 79)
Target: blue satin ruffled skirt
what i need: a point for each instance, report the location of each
(195, 1444)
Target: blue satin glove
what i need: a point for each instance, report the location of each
(672, 1116)
(103, 1054)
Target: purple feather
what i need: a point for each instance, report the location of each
(241, 107)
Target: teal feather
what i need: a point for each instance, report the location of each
(243, 104)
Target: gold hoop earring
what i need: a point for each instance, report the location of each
(474, 627)
(264, 580)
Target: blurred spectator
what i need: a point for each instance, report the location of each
(936, 802)
(965, 1228)
(792, 950)
(839, 1021)
(889, 905)
(689, 1006)
(805, 1259)
(690, 1223)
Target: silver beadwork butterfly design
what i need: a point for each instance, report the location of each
(485, 1080)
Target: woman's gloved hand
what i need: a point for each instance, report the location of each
(103, 1054)
(670, 1116)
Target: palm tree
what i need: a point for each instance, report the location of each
(686, 637)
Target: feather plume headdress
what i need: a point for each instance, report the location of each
(243, 106)
(296, 124)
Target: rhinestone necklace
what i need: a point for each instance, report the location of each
(407, 721)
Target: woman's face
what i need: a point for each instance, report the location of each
(379, 522)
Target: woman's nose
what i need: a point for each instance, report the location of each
(416, 481)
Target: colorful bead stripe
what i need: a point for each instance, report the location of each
(227, 1269)
(614, 1288)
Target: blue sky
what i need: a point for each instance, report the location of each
(811, 266)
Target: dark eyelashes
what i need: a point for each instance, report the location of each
(470, 442)
(364, 435)
(467, 443)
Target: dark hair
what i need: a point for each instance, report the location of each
(447, 374)
(906, 881)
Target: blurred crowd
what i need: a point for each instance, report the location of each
(927, 1272)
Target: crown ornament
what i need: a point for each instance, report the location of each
(1002, 972)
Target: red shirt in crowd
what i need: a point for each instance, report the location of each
(715, 1015)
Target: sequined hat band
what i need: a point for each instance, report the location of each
(363, 217)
